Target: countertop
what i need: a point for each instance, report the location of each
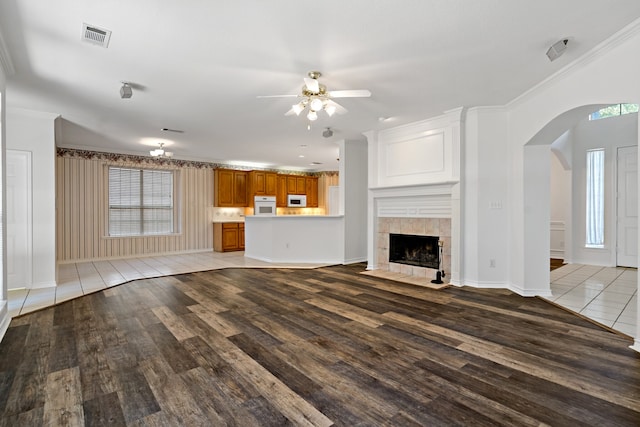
(292, 216)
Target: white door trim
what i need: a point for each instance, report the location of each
(627, 207)
(19, 219)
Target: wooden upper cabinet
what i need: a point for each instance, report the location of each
(301, 185)
(296, 184)
(291, 184)
(261, 183)
(230, 188)
(240, 188)
(270, 183)
(281, 191)
(311, 184)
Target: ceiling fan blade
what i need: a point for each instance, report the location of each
(290, 112)
(354, 93)
(312, 85)
(277, 96)
(339, 108)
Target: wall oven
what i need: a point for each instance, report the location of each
(264, 205)
(297, 201)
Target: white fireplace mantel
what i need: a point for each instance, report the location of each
(436, 200)
(414, 201)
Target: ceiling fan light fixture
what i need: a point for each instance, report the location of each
(316, 104)
(159, 152)
(298, 108)
(312, 116)
(330, 110)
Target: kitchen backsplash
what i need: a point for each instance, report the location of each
(228, 214)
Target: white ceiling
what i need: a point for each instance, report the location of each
(198, 66)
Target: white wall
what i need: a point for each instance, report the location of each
(609, 134)
(485, 203)
(560, 212)
(35, 132)
(6, 68)
(353, 181)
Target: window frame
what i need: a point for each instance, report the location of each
(623, 108)
(595, 219)
(175, 200)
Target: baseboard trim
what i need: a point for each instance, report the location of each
(5, 319)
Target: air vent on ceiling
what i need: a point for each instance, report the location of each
(95, 35)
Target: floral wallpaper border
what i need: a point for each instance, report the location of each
(155, 161)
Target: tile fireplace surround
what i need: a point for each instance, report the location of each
(440, 227)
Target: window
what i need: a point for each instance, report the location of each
(613, 111)
(595, 199)
(141, 202)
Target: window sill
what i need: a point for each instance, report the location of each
(142, 236)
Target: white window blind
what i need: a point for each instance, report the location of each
(141, 202)
(595, 199)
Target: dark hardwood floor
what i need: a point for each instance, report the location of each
(555, 263)
(278, 347)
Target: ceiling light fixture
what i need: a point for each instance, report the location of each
(159, 152)
(126, 91)
(327, 133)
(557, 49)
(315, 98)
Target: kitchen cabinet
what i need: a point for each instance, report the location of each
(311, 190)
(261, 183)
(281, 191)
(230, 188)
(228, 236)
(296, 184)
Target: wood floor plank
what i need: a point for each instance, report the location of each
(173, 323)
(63, 400)
(328, 346)
(103, 410)
(282, 397)
(171, 393)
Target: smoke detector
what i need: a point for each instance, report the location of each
(557, 49)
(94, 35)
(327, 133)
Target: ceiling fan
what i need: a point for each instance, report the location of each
(315, 97)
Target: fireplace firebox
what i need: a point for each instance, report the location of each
(421, 251)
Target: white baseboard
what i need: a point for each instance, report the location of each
(5, 319)
(557, 253)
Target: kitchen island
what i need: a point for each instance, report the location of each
(295, 238)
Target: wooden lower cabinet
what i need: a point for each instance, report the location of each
(228, 236)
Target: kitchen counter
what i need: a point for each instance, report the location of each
(295, 238)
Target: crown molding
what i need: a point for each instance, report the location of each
(5, 59)
(598, 51)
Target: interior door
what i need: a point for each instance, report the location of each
(627, 207)
(19, 244)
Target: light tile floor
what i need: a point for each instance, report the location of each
(606, 295)
(79, 279)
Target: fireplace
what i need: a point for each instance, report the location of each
(409, 249)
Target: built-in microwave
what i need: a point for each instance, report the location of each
(297, 201)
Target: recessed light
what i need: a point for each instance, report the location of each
(301, 155)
